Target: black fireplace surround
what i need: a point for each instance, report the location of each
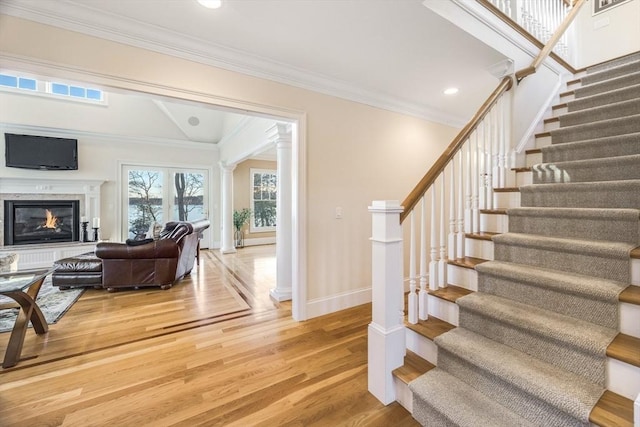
(41, 221)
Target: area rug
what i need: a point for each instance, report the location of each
(53, 302)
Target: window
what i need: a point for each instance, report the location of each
(75, 91)
(13, 81)
(16, 82)
(263, 200)
(161, 195)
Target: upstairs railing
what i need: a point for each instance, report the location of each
(450, 198)
(540, 19)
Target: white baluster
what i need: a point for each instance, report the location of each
(433, 264)
(451, 245)
(469, 187)
(413, 297)
(491, 160)
(442, 262)
(500, 159)
(461, 203)
(422, 297)
(475, 170)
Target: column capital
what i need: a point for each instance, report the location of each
(227, 167)
(279, 133)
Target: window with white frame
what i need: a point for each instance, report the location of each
(14, 81)
(263, 200)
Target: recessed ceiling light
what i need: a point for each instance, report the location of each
(211, 4)
(451, 91)
(194, 121)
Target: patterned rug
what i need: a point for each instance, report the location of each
(53, 302)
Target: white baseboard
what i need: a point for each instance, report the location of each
(326, 305)
(260, 241)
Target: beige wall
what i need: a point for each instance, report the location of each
(612, 33)
(241, 190)
(355, 153)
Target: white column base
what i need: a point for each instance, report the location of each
(281, 294)
(384, 356)
(228, 251)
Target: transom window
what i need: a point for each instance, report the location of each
(14, 81)
(263, 199)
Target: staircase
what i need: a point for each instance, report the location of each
(540, 323)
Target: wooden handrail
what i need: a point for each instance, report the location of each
(436, 169)
(546, 50)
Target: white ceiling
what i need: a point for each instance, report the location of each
(393, 54)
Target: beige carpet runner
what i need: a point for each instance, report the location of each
(530, 347)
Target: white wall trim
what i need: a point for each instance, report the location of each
(321, 306)
(260, 241)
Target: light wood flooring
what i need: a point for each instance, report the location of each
(212, 351)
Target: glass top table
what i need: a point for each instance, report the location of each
(23, 286)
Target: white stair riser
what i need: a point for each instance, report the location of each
(463, 277)
(479, 248)
(524, 178)
(403, 394)
(551, 125)
(540, 142)
(630, 319)
(623, 378)
(506, 200)
(422, 346)
(533, 159)
(635, 272)
(443, 309)
(560, 111)
(567, 98)
(494, 223)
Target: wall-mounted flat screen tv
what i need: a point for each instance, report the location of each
(40, 152)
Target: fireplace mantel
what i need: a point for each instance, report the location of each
(49, 186)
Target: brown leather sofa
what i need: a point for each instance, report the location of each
(152, 263)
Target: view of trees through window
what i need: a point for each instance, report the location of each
(264, 194)
(151, 194)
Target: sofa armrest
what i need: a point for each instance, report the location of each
(164, 248)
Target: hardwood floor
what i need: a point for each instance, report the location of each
(198, 354)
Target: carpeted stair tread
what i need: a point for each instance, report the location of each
(452, 402)
(610, 73)
(606, 194)
(614, 146)
(600, 129)
(568, 392)
(583, 297)
(589, 170)
(608, 85)
(599, 113)
(614, 63)
(607, 260)
(569, 343)
(620, 225)
(605, 98)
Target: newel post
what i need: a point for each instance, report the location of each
(386, 333)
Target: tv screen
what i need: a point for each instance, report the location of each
(40, 152)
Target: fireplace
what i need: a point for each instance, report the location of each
(41, 221)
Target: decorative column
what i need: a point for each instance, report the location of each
(386, 333)
(280, 134)
(227, 208)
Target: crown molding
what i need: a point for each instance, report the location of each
(70, 15)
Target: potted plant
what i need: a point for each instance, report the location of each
(240, 218)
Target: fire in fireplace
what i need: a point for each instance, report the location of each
(40, 221)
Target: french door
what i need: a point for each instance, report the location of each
(159, 195)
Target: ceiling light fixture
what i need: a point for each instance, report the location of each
(211, 4)
(451, 91)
